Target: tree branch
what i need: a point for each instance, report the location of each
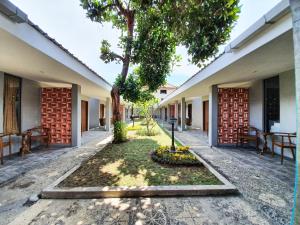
(121, 8)
(117, 56)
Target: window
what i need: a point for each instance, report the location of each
(12, 104)
(163, 91)
(271, 102)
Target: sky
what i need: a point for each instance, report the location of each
(66, 21)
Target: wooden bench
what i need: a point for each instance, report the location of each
(252, 135)
(4, 144)
(283, 141)
(40, 134)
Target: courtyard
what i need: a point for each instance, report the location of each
(68, 152)
(265, 190)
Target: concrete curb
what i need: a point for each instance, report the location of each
(55, 192)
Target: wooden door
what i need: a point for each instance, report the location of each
(166, 114)
(102, 111)
(205, 115)
(190, 106)
(84, 116)
(172, 111)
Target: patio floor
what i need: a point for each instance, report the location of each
(266, 190)
(22, 178)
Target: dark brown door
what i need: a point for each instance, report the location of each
(84, 116)
(190, 111)
(166, 114)
(205, 115)
(172, 111)
(101, 111)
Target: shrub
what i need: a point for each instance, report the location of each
(136, 127)
(145, 132)
(182, 156)
(120, 132)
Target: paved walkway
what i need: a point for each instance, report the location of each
(22, 178)
(192, 138)
(265, 186)
(262, 181)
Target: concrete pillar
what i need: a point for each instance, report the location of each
(176, 109)
(124, 116)
(176, 113)
(168, 112)
(107, 114)
(76, 115)
(182, 114)
(213, 116)
(197, 113)
(295, 8)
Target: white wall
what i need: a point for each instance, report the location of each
(197, 113)
(287, 106)
(160, 96)
(287, 102)
(30, 104)
(94, 113)
(288, 121)
(1, 100)
(256, 104)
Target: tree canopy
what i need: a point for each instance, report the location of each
(150, 32)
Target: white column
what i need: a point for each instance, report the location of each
(213, 116)
(295, 9)
(183, 114)
(124, 116)
(176, 109)
(107, 114)
(197, 113)
(176, 113)
(76, 115)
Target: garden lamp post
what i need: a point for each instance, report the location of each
(173, 120)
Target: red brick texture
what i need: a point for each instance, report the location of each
(57, 113)
(233, 112)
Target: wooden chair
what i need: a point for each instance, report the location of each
(252, 135)
(283, 140)
(4, 144)
(41, 134)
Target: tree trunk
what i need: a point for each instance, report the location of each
(115, 98)
(115, 92)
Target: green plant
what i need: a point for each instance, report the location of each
(134, 128)
(146, 111)
(150, 31)
(120, 132)
(182, 156)
(145, 132)
(167, 133)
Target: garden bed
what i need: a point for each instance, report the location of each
(128, 167)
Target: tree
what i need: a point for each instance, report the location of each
(150, 32)
(146, 111)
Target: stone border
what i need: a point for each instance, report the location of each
(55, 192)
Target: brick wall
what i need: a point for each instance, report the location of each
(233, 112)
(56, 109)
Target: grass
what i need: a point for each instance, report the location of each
(131, 128)
(130, 164)
(167, 133)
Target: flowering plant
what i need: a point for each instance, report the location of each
(182, 156)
